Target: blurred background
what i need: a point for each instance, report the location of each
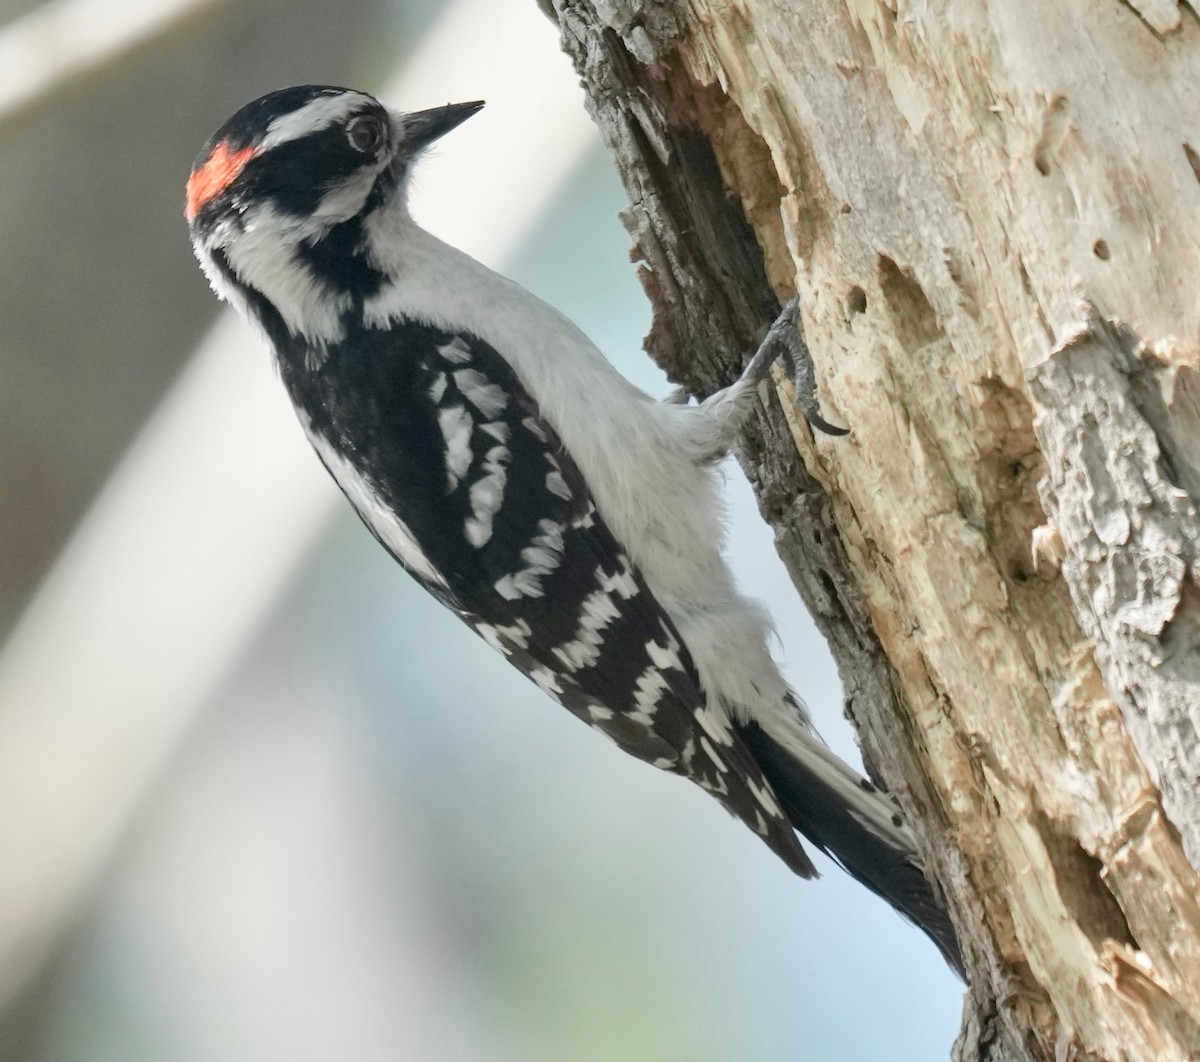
(260, 798)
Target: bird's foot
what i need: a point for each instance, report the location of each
(784, 342)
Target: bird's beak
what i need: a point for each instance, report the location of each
(421, 128)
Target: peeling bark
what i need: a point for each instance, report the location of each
(1117, 423)
(1003, 554)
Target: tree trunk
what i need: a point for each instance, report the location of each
(992, 215)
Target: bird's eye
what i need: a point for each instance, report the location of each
(365, 134)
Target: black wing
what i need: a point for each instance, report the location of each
(446, 437)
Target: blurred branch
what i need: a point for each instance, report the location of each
(63, 40)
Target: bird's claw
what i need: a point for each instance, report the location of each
(784, 342)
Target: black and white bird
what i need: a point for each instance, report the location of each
(565, 516)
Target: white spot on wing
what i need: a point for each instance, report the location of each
(706, 745)
(596, 613)
(484, 395)
(438, 388)
(664, 656)
(541, 557)
(651, 685)
(535, 429)
(547, 681)
(713, 785)
(456, 352)
(557, 485)
(546, 551)
(486, 494)
(714, 723)
(504, 638)
(456, 426)
(626, 585)
(689, 751)
(515, 585)
(765, 797)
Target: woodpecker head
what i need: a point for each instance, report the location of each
(280, 199)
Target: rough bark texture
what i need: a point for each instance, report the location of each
(990, 212)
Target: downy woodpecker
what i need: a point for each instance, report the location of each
(565, 516)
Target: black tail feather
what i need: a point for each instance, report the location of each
(824, 817)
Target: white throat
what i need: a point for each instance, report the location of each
(262, 247)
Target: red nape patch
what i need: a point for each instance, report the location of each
(217, 174)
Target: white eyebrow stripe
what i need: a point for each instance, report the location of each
(313, 117)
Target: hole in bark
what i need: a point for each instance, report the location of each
(1009, 467)
(1054, 132)
(913, 315)
(1018, 573)
(1193, 159)
(856, 300)
(1101, 251)
(846, 206)
(1181, 637)
(1026, 283)
(830, 587)
(1079, 879)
